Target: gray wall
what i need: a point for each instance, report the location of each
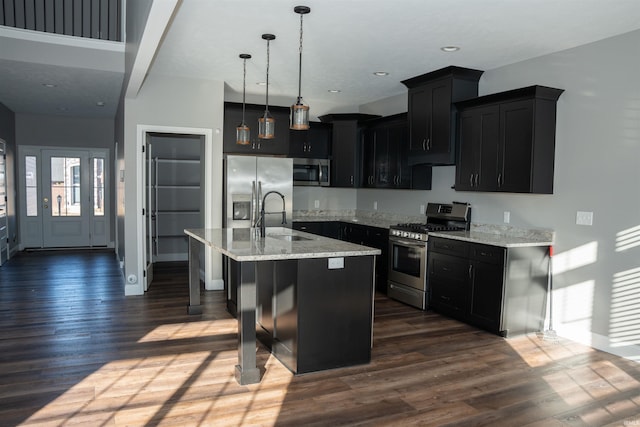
(597, 169)
(167, 102)
(8, 134)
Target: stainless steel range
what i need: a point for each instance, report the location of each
(407, 279)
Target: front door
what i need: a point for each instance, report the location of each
(64, 198)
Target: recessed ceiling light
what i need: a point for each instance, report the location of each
(449, 48)
(261, 83)
(334, 91)
(100, 103)
(49, 85)
(381, 73)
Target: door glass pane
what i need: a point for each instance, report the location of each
(98, 186)
(65, 186)
(31, 183)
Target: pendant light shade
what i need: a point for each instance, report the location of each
(243, 133)
(299, 112)
(266, 123)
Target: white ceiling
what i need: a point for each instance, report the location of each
(345, 41)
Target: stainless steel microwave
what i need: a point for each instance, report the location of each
(312, 172)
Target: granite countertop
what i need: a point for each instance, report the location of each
(494, 237)
(381, 220)
(245, 244)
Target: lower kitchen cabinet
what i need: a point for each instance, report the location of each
(374, 237)
(313, 317)
(502, 290)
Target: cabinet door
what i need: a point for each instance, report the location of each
(345, 157)
(419, 118)
(487, 283)
(479, 138)
(314, 143)
(398, 155)
(448, 285)
(430, 118)
(369, 152)
(486, 295)
(467, 168)
(516, 152)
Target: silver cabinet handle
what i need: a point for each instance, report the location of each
(476, 179)
(471, 180)
(470, 270)
(500, 179)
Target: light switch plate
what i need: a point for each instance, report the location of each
(316, 204)
(507, 217)
(375, 206)
(336, 263)
(421, 209)
(584, 218)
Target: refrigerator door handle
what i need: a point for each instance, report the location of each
(258, 202)
(254, 204)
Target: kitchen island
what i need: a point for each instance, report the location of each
(309, 297)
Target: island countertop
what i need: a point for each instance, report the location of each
(245, 244)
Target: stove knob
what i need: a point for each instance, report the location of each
(418, 236)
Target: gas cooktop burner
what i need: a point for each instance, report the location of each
(440, 217)
(424, 228)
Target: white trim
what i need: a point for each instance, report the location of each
(600, 342)
(62, 39)
(141, 132)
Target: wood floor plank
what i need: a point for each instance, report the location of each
(75, 351)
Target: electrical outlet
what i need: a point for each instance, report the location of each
(316, 204)
(375, 206)
(584, 218)
(507, 217)
(421, 209)
(336, 263)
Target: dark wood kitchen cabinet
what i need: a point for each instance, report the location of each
(385, 153)
(345, 147)
(507, 141)
(502, 290)
(432, 114)
(374, 237)
(314, 317)
(314, 143)
(233, 117)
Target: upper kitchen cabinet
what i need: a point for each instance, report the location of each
(233, 117)
(432, 115)
(507, 141)
(345, 147)
(314, 143)
(384, 153)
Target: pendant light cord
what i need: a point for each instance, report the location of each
(244, 88)
(300, 65)
(267, 99)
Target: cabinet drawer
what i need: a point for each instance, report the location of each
(448, 267)
(449, 246)
(487, 253)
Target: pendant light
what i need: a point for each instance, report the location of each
(243, 134)
(299, 112)
(266, 123)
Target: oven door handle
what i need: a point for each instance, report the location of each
(406, 242)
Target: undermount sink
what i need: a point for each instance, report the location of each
(288, 237)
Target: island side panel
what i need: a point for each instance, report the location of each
(335, 308)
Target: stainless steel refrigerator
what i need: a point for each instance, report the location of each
(247, 180)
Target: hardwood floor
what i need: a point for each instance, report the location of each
(75, 351)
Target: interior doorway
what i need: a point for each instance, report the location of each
(64, 197)
(174, 197)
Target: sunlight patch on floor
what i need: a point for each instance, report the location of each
(203, 328)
